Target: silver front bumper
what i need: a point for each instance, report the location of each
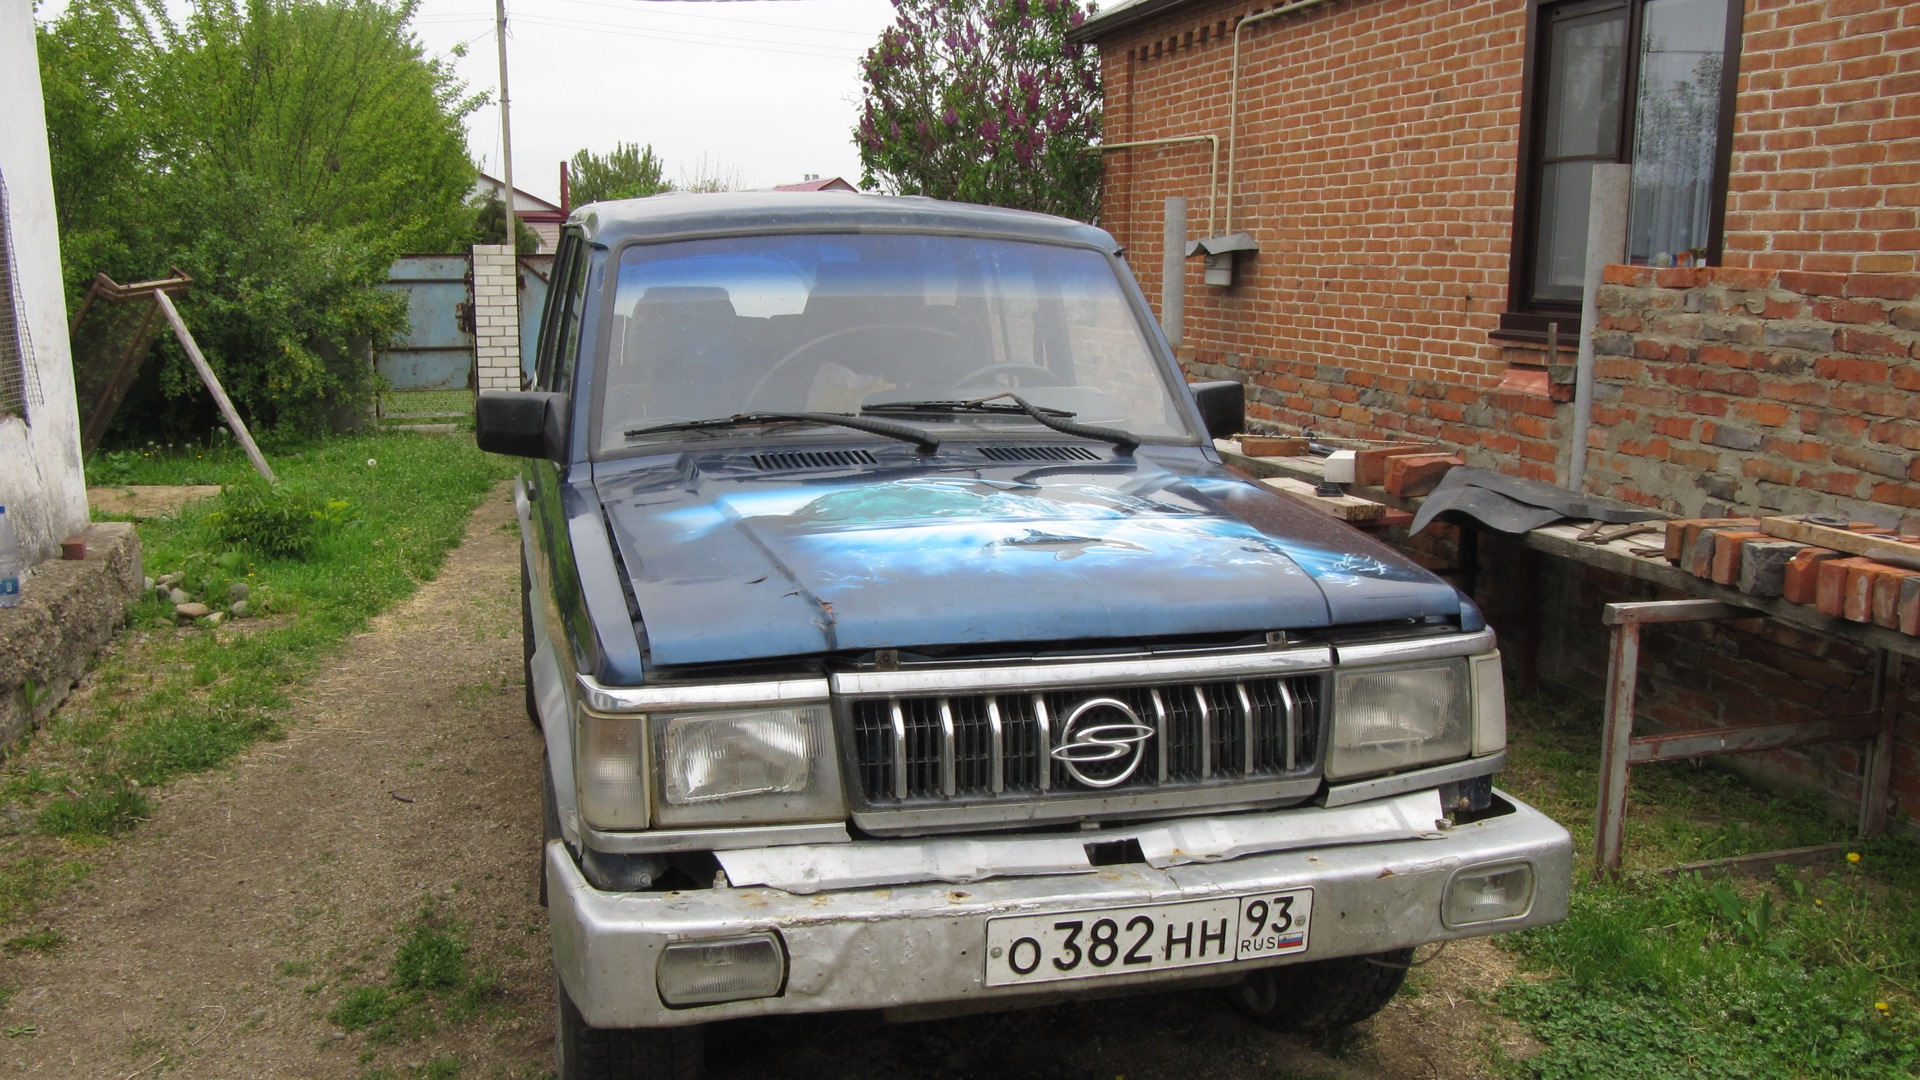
(922, 944)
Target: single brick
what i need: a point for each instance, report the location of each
(1763, 565)
(1909, 606)
(1417, 474)
(1830, 591)
(1681, 533)
(1887, 583)
(1727, 544)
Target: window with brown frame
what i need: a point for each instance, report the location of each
(1643, 82)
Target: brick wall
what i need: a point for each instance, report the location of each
(1377, 153)
(1789, 392)
(1826, 162)
(496, 317)
(1375, 169)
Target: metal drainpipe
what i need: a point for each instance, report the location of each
(1233, 87)
(1213, 163)
(1606, 243)
(1173, 270)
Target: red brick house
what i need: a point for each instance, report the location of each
(1412, 176)
(1413, 173)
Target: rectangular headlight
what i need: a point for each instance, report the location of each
(1397, 718)
(736, 767)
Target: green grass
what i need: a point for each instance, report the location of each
(1814, 973)
(429, 984)
(172, 701)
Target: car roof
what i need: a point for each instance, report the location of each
(681, 215)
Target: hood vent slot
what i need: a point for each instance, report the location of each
(787, 460)
(1039, 453)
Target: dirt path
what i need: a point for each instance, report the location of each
(216, 940)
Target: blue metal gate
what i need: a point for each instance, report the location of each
(437, 353)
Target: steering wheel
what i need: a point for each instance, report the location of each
(981, 376)
(753, 403)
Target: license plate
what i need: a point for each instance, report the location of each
(1025, 949)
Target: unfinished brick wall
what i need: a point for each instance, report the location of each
(1744, 390)
(1826, 150)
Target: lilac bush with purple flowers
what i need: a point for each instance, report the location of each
(984, 101)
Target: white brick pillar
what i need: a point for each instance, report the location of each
(496, 317)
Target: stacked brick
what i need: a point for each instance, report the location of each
(1790, 392)
(496, 317)
(1865, 576)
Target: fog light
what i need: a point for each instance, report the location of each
(1487, 894)
(731, 969)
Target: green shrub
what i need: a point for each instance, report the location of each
(277, 520)
(430, 959)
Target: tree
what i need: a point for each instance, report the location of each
(983, 101)
(629, 172)
(281, 154)
(490, 226)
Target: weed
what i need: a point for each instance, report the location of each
(166, 704)
(280, 521)
(295, 969)
(367, 1006)
(94, 814)
(429, 984)
(40, 941)
(1657, 976)
(430, 959)
(442, 1068)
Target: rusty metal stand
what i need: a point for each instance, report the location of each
(1620, 749)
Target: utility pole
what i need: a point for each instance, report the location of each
(506, 128)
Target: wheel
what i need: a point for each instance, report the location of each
(588, 1053)
(1322, 994)
(983, 376)
(526, 640)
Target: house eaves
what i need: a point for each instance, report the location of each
(1122, 16)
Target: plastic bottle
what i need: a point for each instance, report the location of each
(12, 569)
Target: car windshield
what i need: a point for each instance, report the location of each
(844, 323)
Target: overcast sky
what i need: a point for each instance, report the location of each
(759, 90)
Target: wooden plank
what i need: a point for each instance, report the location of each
(1273, 445)
(1761, 864)
(1707, 742)
(1848, 540)
(1343, 507)
(1763, 566)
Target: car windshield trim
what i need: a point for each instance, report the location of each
(924, 442)
(944, 408)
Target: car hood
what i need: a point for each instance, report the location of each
(731, 563)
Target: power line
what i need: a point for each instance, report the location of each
(676, 35)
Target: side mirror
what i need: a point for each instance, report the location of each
(1223, 407)
(522, 423)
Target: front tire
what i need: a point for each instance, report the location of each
(590, 1053)
(1322, 995)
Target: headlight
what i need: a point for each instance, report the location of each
(738, 767)
(1396, 718)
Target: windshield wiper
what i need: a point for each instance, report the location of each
(922, 441)
(983, 405)
(1123, 442)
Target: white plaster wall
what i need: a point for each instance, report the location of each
(42, 483)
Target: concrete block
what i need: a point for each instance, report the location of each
(1763, 566)
(68, 611)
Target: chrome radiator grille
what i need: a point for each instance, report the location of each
(986, 747)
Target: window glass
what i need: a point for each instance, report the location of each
(836, 323)
(1676, 127)
(567, 334)
(1586, 59)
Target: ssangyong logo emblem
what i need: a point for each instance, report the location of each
(1102, 742)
